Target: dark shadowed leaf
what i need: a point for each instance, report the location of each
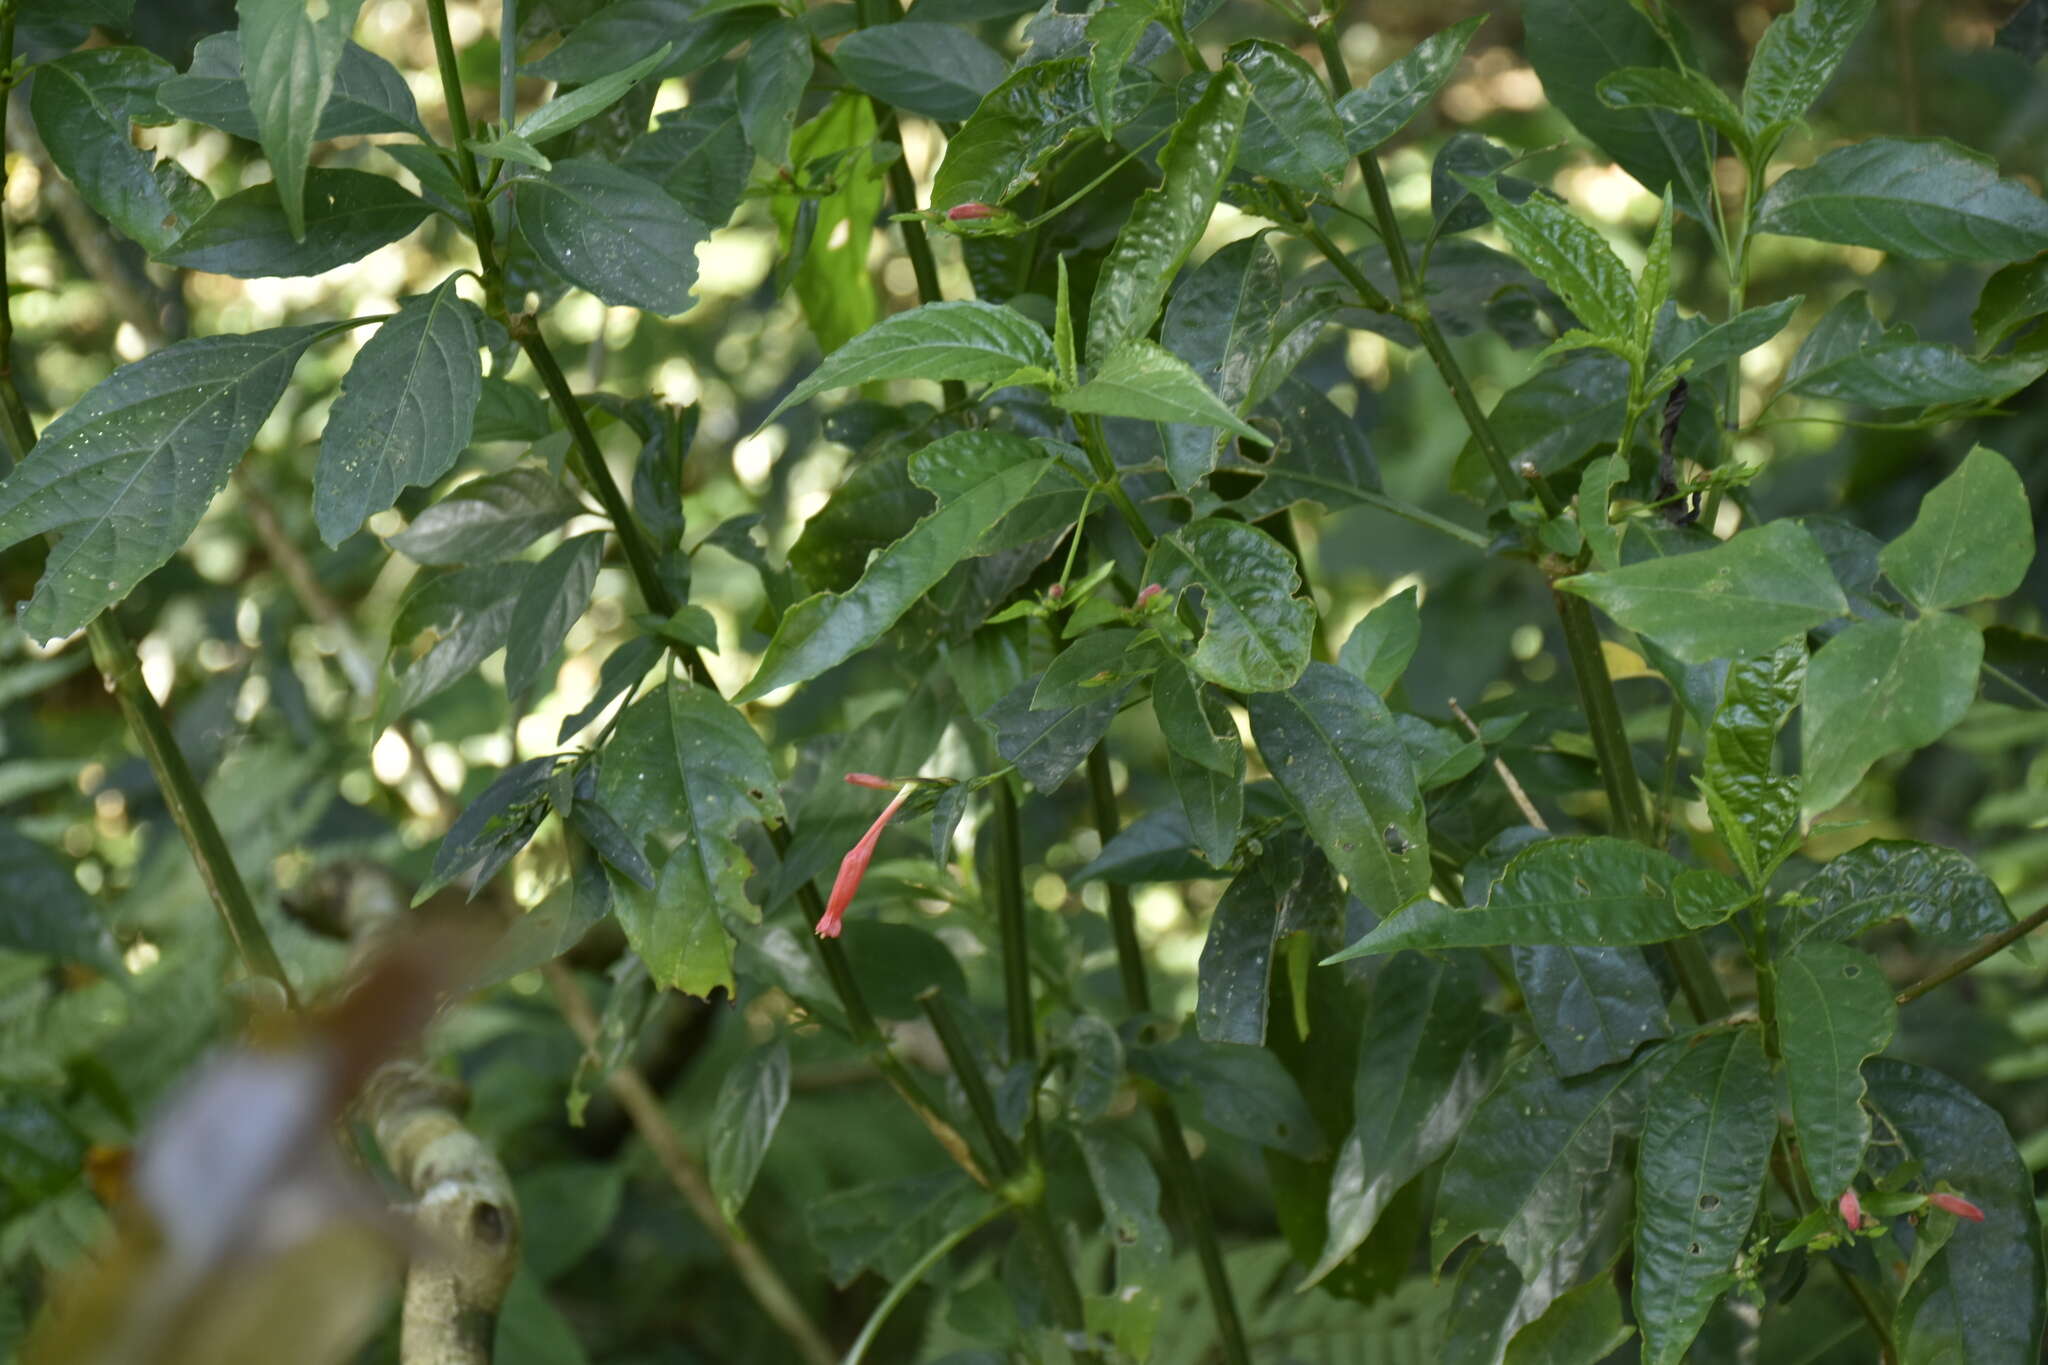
(43, 912)
(614, 233)
(770, 83)
(1048, 745)
(556, 595)
(290, 51)
(1931, 200)
(1592, 1007)
(84, 106)
(699, 155)
(1242, 1090)
(494, 517)
(1852, 357)
(1291, 130)
(935, 70)
(446, 626)
(348, 214)
(1287, 888)
(750, 1102)
(369, 95)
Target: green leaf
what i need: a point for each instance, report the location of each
(1549, 420)
(682, 774)
(700, 156)
(1583, 1324)
(510, 146)
(1797, 57)
(1883, 687)
(1291, 130)
(968, 340)
(1834, 1008)
(1707, 1137)
(1379, 647)
(1022, 123)
(1220, 321)
(1428, 1052)
(1569, 256)
(611, 232)
(1214, 803)
(369, 94)
(1098, 660)
(586, 101)
(489, 518)
(827, 628)
(888, 1225)
(1145, 380)
(1194, 720)
(1591, 1007)
(1168, 219)
(346, 215)
(1242, 1090)
(1733, 339)
(831, 272)
(554, 599)
(1850, 356)
(702, 34)
(43, 912)
(935, 70)
(1931, 200)
(1047, 745)
(1756, 809)
(770, 84)
(1745, 596)
(1981, 1299)
(565, 1209)
(1256, 633)
(1286, 888)
(2014, 296)
(446, 625)
(1114, 32)
(84, 106)
(1686, 93)
(750, 1102)
(406, 411)
(1941, 892)
(290, 50)
(1592, 892)
(1973, 539)
(125, 475)
(1467, 155)
(1128, 1189)
(1383, 106)
(1332, 745)
(1573, 44)
(1532, 1152)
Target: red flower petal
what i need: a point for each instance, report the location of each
(880, 784)
(962, 212)
(854, 866)
(1957, 1205)
(1851, 1209)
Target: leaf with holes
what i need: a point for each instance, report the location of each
(1834, 1008)
(1256, 633)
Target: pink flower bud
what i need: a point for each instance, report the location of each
(1056, 591)
(960, 213)
(854, 866)
(1957, 1205)
(880, 784)
(1851, 1210)
(1147, 593)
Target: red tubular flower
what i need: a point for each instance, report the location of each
(1146, 594)
(1056, 591)
(880, 784)
(1852, 1210)
(1957, 1205)
(854, 865)
(960, 213)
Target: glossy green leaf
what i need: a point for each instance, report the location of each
(1213, 802)
(889, 1224)
(1098, 660)
(347, 215)
(1114, 32)
(125, 475)
(1168, 219)
(1573, 44)
(1940, 892)
(489, 518)
(1882, 687)
(1194, 721)
(1379, 647)
(290, 50)
(1707, 1136)
(43, 912)
(1797, 57)
(446, 625)
(586, 101)
(369, 95)
(1022, 124)
(1687, 93)
(1383, 106)
(1755, 808)
(1047, 745)
(770, 83)
(827, 628)
(1568, 255)
(1931, 200)
(84, 106)
(1244, 1091)
(2014, 296)
(1143, 379)
(1256, 634)
(1852, 357)
(702, 34)
(1592, 892)
(407, 409)
(1732, 339)
(1285, 888)
(750, 1102)
(1291, 131)
(1427, 1055)
(935, 70)
(968, 340)
(1322, 455)
(1973, 539)
(1332, 745)
(1580, 1325)
(682, 773)
(510, 146)
(1981, 1299)
(555, 597)
(1531, 1153)
(1591, 1007)
(1220, 321)
(699, 155)
(1469, 156)
(611, 232)
(1745, 596)
(1834, 1008)
(1550, 420)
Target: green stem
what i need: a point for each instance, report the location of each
(1674, 735)
(909, 1280)
(1603, 715)
(1016, 942)
(1107, 475)
(122, 670)
(1408, 511)
(1183, 1181)
(1989, 948)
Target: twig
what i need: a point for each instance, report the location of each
(1507, 776)
(1989, 948)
